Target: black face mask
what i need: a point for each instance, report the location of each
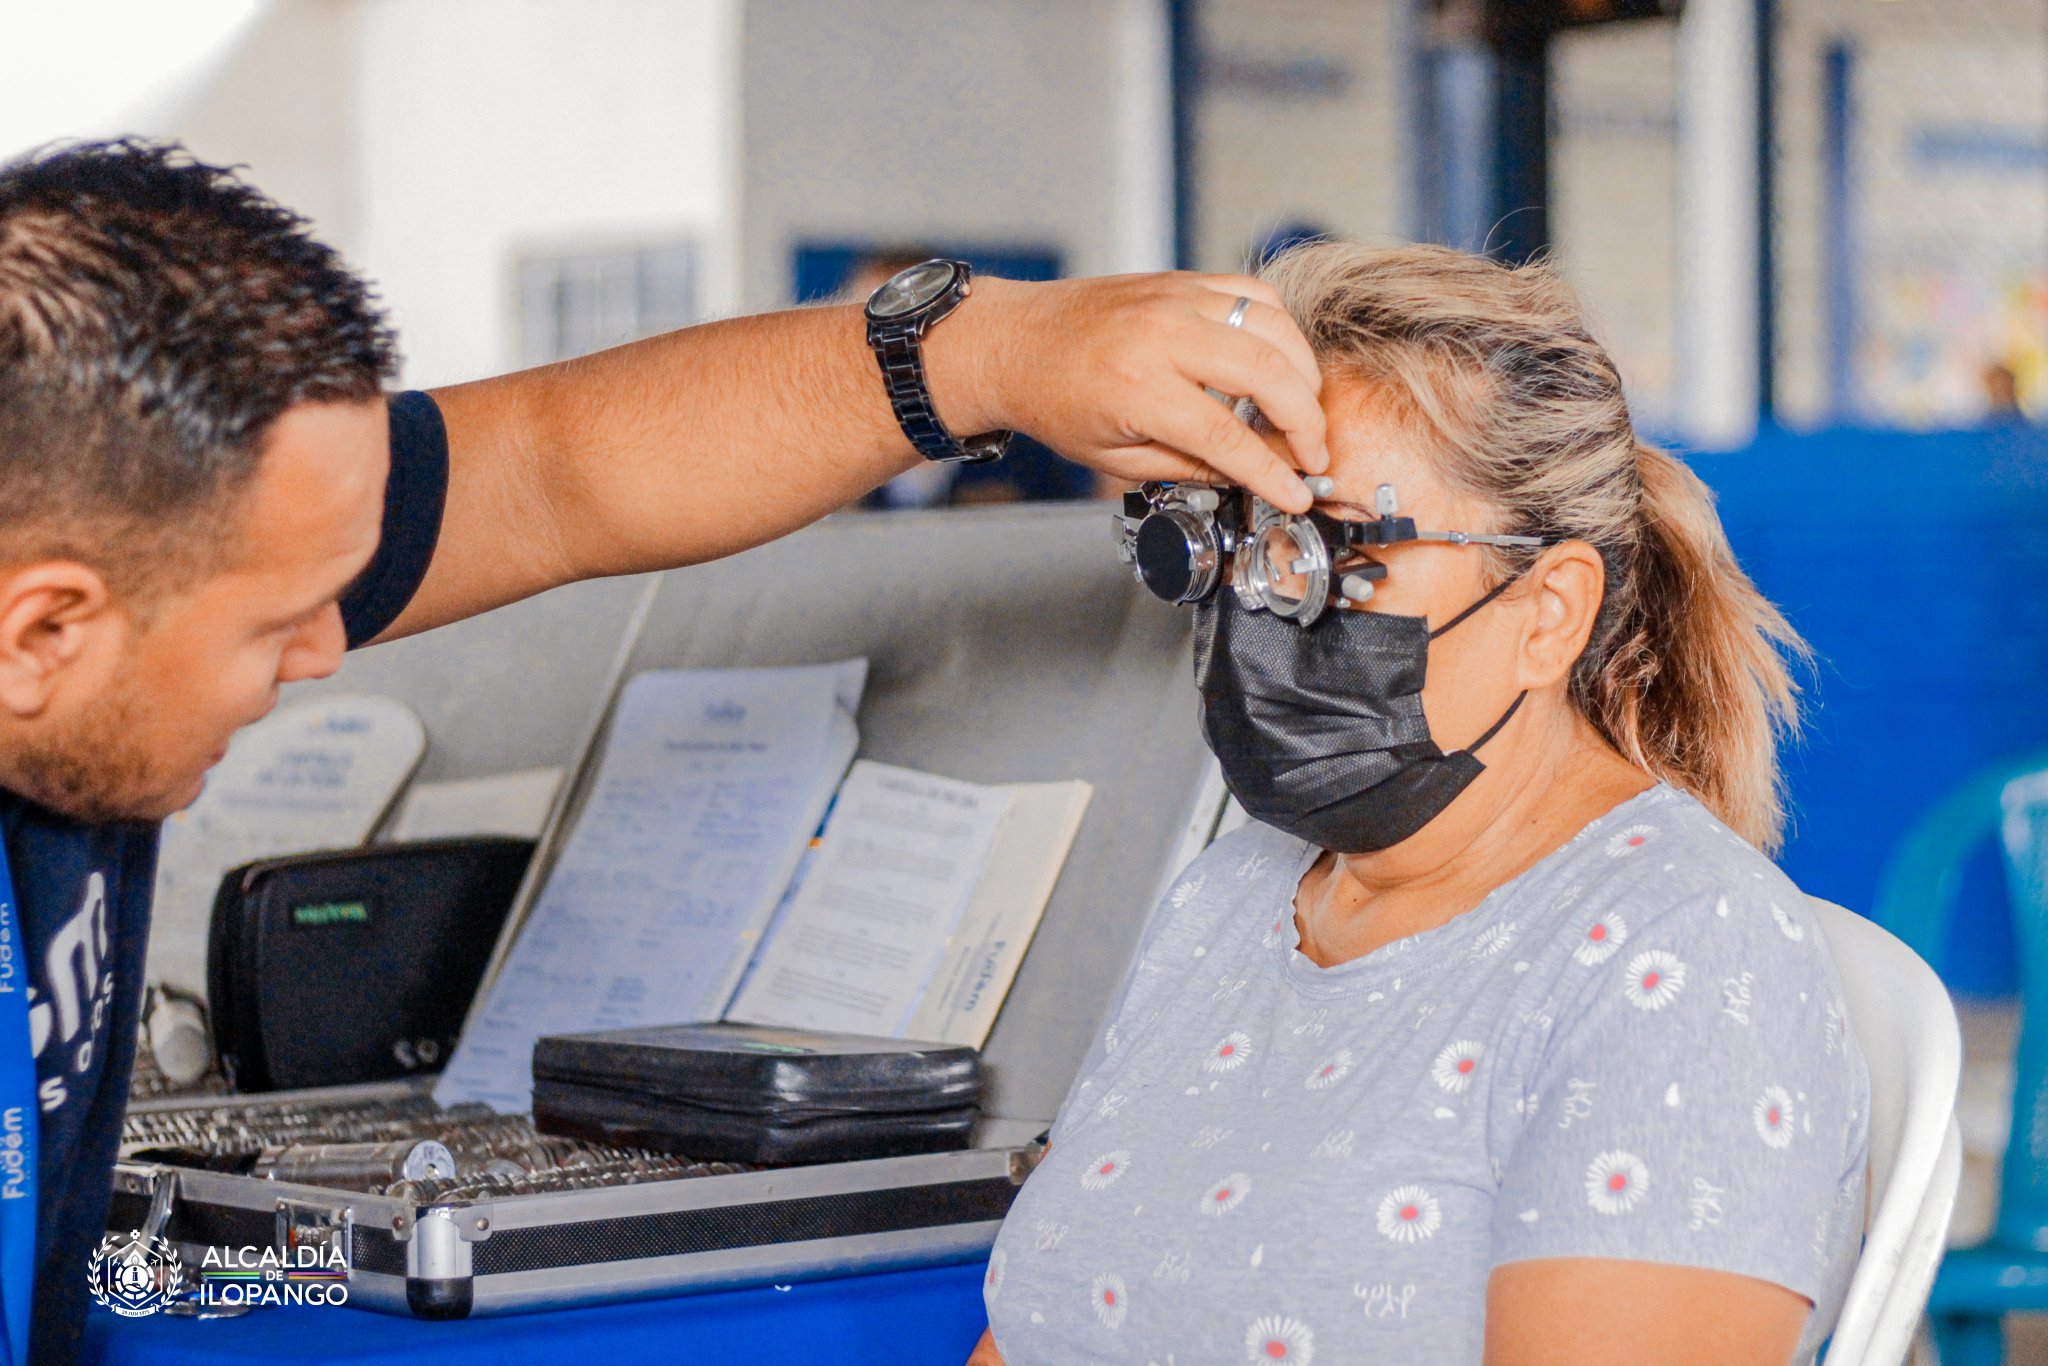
(1320, 729)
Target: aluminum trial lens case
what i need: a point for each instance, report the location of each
(1005, 645)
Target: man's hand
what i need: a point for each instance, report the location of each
(1112, 373)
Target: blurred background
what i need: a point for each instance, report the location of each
(1813, 232)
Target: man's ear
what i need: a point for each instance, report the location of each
(52, 614)
(1569, 582)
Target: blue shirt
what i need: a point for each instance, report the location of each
(1636, 1049)
(84, 896)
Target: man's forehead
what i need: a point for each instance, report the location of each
(318, 490)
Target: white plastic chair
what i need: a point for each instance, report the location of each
(1902, 1017)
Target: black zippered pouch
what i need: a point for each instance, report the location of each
(753, 1093)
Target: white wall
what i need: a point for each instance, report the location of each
(436, 141)
(88, 68)
(1614, 199)
(280, 103)
(1027, 122)
(266, 87)
(1300, 118)
(1719, 323)
(486, 128)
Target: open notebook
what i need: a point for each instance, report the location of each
(914, 916)
(698, 883)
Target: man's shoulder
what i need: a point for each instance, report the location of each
(46, 848)
(415, 495)
(27, 818)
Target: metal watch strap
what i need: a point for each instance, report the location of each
(902, 361)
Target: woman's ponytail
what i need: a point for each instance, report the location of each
(1694, 684)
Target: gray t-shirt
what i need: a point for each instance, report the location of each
(1635, 1049)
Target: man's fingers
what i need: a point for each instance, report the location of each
(1202, 428)
(1243, 286)
(1136, 464)
(1271, 324)
(1302, 425)
(1252, 367)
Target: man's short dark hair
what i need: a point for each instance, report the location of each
(157, 315)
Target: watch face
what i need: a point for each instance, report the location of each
(909, 290)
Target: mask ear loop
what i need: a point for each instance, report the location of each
(1491, 594)
(1494, 729)
(1513, 706)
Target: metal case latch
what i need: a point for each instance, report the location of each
(162, 1197)
(308, 1224)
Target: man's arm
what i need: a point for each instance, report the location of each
(703, 442)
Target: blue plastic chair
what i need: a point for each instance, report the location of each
(2008, 1272)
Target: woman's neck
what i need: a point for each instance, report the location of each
(1351, 904)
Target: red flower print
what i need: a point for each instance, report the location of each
(1277, 1338)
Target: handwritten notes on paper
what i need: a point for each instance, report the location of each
(709, 789)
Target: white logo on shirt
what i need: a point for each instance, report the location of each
(1577, 1105)
(1385, 1298)
(1705, 1203)
(81, 985)
(1735, 994)
(1172, 1268)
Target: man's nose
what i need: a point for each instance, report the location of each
(318, 649)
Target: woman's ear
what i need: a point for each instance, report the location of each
(1568, 582)
(49, 614)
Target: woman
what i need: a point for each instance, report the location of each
(1534, 1059)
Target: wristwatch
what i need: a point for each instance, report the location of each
(899, 313)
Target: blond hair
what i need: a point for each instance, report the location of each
(1685, 672)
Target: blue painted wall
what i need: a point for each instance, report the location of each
(1917, 567)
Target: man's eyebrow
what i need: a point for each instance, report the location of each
(320, 603)
(293, 618)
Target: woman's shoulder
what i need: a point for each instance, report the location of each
(1665, 857)
(1667, 910)
(1691, 1060)
(1244, 863)
(1248, 864)
(1661, 891)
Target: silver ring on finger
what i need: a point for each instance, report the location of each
(1237, 312)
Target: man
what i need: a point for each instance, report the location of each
(205, 494)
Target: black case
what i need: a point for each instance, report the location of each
(752, 1093)
(354, 965)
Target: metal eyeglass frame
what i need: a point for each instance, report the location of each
(1183, 541)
